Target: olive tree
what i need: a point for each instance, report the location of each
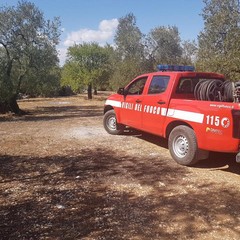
(128, 38)
(27, 47)
(164, 45)
(87, 66)
(219, 45)
(129, 51)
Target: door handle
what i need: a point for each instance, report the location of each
(161, 102)
(138, 101)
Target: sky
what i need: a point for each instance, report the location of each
(97, 20)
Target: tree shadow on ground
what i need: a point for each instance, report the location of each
(58, 113)
(98, 195)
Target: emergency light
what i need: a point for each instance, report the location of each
(177, 68)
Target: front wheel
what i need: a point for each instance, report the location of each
(110, 123)
(182, 145)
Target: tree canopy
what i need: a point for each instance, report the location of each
(87, 65)
(133, 53)
(129, 51)
(219, 45)
(164, 45)
(128, 38)
(27, 48)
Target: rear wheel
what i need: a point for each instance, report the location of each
(182, 144)
(110, 123)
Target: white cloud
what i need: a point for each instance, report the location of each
(108, 25)
(62, 53)
(104, 33)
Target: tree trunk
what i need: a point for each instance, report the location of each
(95, 91)
(14, 105)
(4, 107)
(89, 91)
(11, 106)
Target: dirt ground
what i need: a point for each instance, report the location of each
(63, 177)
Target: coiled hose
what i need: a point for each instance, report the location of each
(214, 90)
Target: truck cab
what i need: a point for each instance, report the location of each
(171, 103)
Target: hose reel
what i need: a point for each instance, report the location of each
(217, 90)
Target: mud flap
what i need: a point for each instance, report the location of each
(202, 154)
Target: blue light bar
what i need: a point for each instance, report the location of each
(176, 68)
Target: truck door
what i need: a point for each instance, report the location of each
(155, 105)
(131, 107)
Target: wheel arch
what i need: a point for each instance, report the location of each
(174, 124)
(107, 108)
(201, 153)
(110, 107)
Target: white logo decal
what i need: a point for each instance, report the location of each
(225, 122)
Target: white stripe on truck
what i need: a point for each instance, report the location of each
(113, 103)
(173, 113)
(184, 115)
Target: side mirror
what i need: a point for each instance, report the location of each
(121, 91)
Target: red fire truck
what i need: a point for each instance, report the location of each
(197, 112)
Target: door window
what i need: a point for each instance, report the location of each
(136, 88)
(158, 84)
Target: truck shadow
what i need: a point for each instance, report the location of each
(215, 161)
(220, 161)
(159, 141)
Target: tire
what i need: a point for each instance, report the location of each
(110, 123)
(182, 145)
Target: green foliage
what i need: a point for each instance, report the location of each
(42, 84)
(124, 71)
(129, 52)
(87, 63)
(136, 53)
(164, 45)
(128, 38)
(27, 48)
(219, 45)
(189, 52)
(72, 76)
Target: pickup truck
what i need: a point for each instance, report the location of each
(197, 112)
